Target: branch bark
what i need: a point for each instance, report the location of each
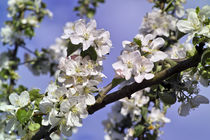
(127, 91)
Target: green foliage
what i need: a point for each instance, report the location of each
(144, 111)
(87, 7)
(35, 96)
(72, 48)
(137, 41)
(20, 89)
(197, 10)
(205, 58)
(34, 126)
(23, 116)
(168, 98)
(90, 52)
(138, 130)
(117, 81)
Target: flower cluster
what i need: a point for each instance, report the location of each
(158, 23)
(79, 74)
(11, 110)
(132, 63)
(15, 30)
(128, 113)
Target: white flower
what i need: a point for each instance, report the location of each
(102, 42)
(152, 45)
(4, 61)
(140, 99)
(128, 107)
(178, 51)
(142, 68)
(158, 23)
(124, 67)
(191, 24)
(205, 12)
(8, 36)
(82, 33)
(19, 100)
(157, 116)
(75, 109)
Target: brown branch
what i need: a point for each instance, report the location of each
(127, 91)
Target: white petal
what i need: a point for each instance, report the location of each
(90, 99)
(76, 39)
(139, 78)
(193, 17)
(91, 25)
(80, 28)
(14, 99)
(148, 76)
(24, 98)
(158, 55)
(157, 43)
(147, 38)
(184, 26)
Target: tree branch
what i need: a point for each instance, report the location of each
(127, 91)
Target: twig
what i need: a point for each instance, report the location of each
(27, 49)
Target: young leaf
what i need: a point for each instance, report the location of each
(138, 130)
(72, 48)
(34, 126)
(90, 52)
(23, 116)
(117, 81)
(205, 56)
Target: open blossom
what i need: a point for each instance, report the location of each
(80, 32)
(157, 116)
(178, 50)
(194, 102)
(8, 35)
(194, 23)
(4, 61)
(151, 45)
(125, 66)
(158, 23)
(17, 101)
(143, 67)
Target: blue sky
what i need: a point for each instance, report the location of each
(122, 18)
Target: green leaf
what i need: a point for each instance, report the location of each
(90, 52)
(23, 116)
(34, 126)
(205, 57)
(137, 41)
(34, 94)
(72, 48)
(90, 13)
(138, 130)
(117, 81)
(151, 137)
(197, 10)
(168, 98)
(144, 111)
